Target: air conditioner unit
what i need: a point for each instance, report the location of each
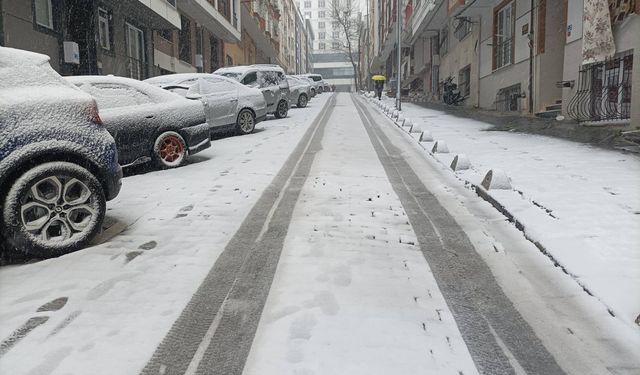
(71, 52)
(199, 61)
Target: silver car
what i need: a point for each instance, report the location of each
(317, 81)
(299, 91)
(229, 105)
(270, 79)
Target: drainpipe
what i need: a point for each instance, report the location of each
(531, 57)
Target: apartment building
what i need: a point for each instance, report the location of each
(198, 45)
(539, 57)
(89, 37)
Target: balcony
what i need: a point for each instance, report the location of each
(164, 15)
(215, 16)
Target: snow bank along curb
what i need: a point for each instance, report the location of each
(496, 179)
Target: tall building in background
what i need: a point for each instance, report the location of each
(330, 58)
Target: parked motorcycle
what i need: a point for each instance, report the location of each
(452, 95)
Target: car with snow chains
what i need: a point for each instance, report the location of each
(58, 163)
(229, 105)
(270, 79)
(149, 124)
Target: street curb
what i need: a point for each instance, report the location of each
(484, 194)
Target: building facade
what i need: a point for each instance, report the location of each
(89, 37)
(530, 57)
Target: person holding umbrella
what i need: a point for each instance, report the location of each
(378, 84)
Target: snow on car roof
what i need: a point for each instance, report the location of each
(22, 71)
(11, 57)
(158, 94)
(245, 68)
(172, 79)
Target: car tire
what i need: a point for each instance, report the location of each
(320, 90)
(245, 122)
(53, 209)
(170, 150)
(302, 101)
(313, 92)
(282, 110)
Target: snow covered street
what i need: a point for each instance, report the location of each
(330, 242)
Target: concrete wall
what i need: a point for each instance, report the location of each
(21, 31)
(548, 67)
(461, 54)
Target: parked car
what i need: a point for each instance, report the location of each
(229, 105)
(147, 122)
(311, 82)
(58, 164)
(299, 91)
(317, 81)
(326, 87)
(270, 79)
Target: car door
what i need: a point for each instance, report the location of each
(128, 115)
(269, 87)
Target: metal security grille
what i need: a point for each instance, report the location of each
(508, 99)
(603, 91)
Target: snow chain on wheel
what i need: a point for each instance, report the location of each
(53, 209)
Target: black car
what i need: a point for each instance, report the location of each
(58, 163)
(147, 122)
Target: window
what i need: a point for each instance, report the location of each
(321, 35)
(335, 45)
(307, 14)
(503, 26)
(251, 79)
(172, 3)
(110, 95)
(464, 78)
(44, 13)
(321, 4)
(444, 40)
(166, 34)
(135, 51)
(321, 14)
(321, 45)
(184, 37)
(462, 28)
(335, 24)
(320, 25)
(307, 4)
(508, 99)
(336, 34)
(104, 29)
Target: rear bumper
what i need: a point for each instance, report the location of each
(198, 137)
(113, 183)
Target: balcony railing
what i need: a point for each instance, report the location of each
(604, 91)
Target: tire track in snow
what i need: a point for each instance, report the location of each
(486, 318)
(214, 333)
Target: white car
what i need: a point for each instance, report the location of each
(299, 91)
(270, 79)
(229, 105)
(317, 80)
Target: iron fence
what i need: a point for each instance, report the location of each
(603, 92)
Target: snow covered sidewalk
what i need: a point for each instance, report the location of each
(353, 294)
(579, 202)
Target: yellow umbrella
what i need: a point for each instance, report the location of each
(378, 78)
